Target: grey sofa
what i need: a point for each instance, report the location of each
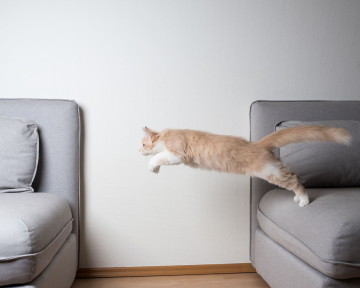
(314, 246)
(39, 245)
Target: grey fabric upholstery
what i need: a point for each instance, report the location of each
(19, 153)
(324, 234)
(58, 123)
(281, 269)
(58, 173)
(321, 165)
(264, 115)
(60, 273)
(33, 227)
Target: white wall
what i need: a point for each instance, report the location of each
(178, 64)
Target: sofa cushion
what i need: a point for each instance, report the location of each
(325, 234)
(19, 152)
(324, 165)
(33, 227)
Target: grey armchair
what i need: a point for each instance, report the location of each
(48, 256)
(314, 246)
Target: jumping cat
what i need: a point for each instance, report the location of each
(235, 154)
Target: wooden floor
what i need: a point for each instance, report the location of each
(244, 280)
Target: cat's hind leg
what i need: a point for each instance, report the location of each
(278, 174)
(163, 158)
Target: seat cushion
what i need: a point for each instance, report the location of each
(33, 227)
(281, 269)
(325, 234)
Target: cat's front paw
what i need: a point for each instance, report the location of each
(154, 169)
(296, 198)
(304, 200)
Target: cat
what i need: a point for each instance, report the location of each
(235, 154)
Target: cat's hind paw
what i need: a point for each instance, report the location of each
(304, 200)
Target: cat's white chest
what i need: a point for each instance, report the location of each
(159, 147)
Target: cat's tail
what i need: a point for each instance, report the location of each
(311, 133)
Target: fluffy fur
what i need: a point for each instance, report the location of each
(235, 154)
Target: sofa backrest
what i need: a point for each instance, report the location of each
(58, 124)
(264, 115)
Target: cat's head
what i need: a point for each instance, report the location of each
(149, 141)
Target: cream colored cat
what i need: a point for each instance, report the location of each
(236, 155)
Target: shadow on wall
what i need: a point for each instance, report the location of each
(83, 251)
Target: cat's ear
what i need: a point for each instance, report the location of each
(153, 135)
(146, 133)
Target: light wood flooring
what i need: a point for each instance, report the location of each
(243, 280)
